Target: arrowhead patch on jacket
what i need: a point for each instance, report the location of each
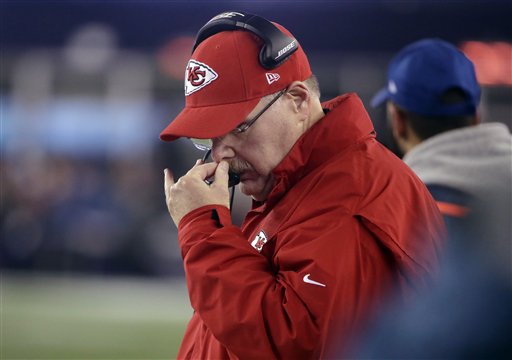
(259, 241)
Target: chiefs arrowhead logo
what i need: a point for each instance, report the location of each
(260, 240)
(197, 76)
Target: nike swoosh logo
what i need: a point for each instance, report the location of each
(309, 281)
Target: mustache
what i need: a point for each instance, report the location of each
(238, 166)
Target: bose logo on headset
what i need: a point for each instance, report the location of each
(286, 49)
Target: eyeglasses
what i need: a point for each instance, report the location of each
(206, 144)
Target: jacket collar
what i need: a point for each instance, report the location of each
(345, 123)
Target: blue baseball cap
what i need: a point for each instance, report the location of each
(421, 72)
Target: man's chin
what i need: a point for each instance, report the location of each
(254, 189)
(250, 188)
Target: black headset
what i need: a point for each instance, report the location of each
(277, 48)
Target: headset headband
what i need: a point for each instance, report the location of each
(277, 47)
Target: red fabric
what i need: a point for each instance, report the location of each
(344, 210)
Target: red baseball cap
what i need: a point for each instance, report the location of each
(224, 82)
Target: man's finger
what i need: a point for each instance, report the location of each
(204, 171)
(221, 175)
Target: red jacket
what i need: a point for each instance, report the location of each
(346, 223)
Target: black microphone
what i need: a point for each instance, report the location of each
(234, 179)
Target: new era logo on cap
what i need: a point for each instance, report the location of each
(272, 77)
(197, 76)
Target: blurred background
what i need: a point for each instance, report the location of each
(90, 266)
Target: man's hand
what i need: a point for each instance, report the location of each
(191, 191)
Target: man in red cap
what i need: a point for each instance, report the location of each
(338, 223)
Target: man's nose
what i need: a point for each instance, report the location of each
(221, 150)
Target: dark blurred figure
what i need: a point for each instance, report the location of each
(432, 98)
(468, 315)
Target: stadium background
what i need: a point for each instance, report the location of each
(90, 267)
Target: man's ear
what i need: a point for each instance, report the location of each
(398, 121)
(300, 95)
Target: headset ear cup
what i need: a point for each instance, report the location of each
(270, 55)
(267, 60)
(263, 57)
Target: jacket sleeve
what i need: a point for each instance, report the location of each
(259, 309)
